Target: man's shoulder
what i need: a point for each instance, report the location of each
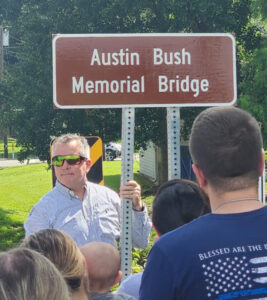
(183, 235)
(195, 225)
(206, 228)
(51, 194)
(50, 199)
(111, 296)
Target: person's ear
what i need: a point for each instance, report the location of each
(88, 164)
(158, 233)
(200, 176)
(118, 277)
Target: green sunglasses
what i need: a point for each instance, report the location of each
(58, 160)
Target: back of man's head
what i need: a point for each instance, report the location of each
(103, 263)
(226, 144)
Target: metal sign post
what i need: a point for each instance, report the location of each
(173, 129)
(128, 116)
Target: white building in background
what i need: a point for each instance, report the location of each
(149, 167)
(148, 162)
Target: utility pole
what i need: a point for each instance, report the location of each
(1, 53)
(1, 78)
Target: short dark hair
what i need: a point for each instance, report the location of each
(226, 144)
(177, 202)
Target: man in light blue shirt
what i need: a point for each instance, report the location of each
(85, 210)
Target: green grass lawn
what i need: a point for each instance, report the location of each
(21, 187)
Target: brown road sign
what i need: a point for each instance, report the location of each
(143, 70)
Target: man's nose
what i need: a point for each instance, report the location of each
(65, 164)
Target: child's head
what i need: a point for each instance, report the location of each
(177, 202)
(103, 263)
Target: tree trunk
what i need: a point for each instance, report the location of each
(162, 152)
(5, 146)
(162, 163)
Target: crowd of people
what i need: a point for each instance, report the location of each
(210, 241)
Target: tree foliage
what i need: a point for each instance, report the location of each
(253, 73)
(27, 88)
(253, 95)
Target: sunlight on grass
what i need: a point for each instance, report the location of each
(21, 187)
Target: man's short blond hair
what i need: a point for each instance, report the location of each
(69, 137)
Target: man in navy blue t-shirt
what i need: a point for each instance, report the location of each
(222, 255)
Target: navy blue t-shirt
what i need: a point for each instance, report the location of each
(217, 256)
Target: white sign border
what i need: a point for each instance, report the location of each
(55, 37)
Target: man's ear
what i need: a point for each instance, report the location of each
(88, 164)
(118, 277)
(158, 233)
(200, 176)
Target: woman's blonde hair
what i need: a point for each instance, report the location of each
(60, 249)
(26, 274)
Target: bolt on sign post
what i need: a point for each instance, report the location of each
(143, 70)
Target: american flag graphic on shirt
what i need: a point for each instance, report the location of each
(236, 278)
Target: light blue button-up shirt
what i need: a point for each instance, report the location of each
(95, 218)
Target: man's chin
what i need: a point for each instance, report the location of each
(66, 175)
(67, 183)
(70, 184)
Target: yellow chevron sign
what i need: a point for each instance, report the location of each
(96, 153)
